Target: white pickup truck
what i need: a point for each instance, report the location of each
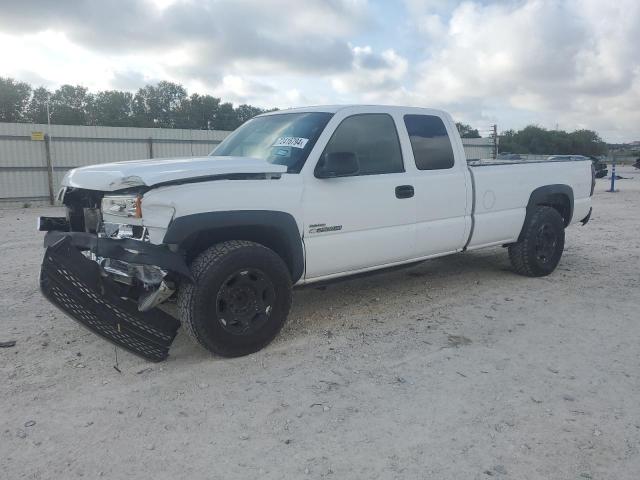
(290, 198)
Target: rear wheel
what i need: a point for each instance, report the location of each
(539, 252)
(240, 299)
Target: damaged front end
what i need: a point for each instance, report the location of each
(107, 275)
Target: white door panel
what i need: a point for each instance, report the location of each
(441, 183)
(441, 211)
(439, 236)
(356, 222)
(357, 249)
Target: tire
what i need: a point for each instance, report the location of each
(240, 299)
(539, 252)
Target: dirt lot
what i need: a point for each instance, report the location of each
(453, 369)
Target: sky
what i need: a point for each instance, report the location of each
(559, 64)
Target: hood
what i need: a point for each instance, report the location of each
(137, 173)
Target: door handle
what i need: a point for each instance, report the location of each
(404, 191)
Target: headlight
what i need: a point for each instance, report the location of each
(116, 208)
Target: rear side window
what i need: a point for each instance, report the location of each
(429, 141)
(373, 138)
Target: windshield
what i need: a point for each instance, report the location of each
(282, 139)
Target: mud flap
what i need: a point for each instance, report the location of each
(73, 283)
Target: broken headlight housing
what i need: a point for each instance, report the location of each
(122, 209)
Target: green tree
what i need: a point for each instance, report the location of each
(70, 105)
(158, 105)
(587, 142)
(466, 131)
(226, 118)
(508, 143)
(112, 108)
(36, 110)
(199, 112)
(247, 112)
(534, 139)
(559, 142)
(14, 98)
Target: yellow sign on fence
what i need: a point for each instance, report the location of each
(37, 136)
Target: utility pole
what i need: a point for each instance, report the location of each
(494, 135)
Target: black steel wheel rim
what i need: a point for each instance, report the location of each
(245, 301)
(546, 243)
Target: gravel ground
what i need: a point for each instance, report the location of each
(453, 369)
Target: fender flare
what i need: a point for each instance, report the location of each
(281, 224)
(548, 195)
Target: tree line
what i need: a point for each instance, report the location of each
(163, 105)
(537, 140)
(168, 105)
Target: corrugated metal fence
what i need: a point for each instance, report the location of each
(33, 159)
(478, 148)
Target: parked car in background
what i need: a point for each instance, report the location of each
(600, 169)
(566, 158)
(508, 156)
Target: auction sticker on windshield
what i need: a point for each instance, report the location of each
(296, 142)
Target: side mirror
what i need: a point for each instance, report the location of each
(337, 164)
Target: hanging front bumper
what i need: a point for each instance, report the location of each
(76, 285)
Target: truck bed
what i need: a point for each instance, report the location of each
(502, 189)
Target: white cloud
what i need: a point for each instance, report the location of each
(572, 62)
(50, 58)
(372, 73)
(240, 89)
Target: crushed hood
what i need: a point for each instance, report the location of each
(136, 173)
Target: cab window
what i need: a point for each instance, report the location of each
(373, 138)
(429, 141)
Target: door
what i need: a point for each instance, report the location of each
(366, 219)
(442, 213)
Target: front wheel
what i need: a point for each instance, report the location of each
(240, 299)
(539, 252)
